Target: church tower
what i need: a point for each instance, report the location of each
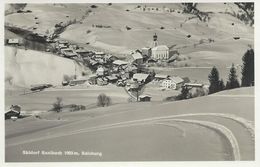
(155, 42)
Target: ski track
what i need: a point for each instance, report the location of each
(161, 121)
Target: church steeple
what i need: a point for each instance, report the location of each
(155, 42)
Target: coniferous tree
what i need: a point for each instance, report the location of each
(248, 68)
(214, 81)
(221, 85)
(232, 79)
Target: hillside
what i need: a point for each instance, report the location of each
(26, 67)
(104, 28)
(168, 131)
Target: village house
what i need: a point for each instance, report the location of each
(102, 81)
(14, 111)
(101, 71)
(61, 46)
(63, 42)
(119, 65)
(146, 52)
(160, 77)
(84, 53)
(144, 98)
(172, 83)
(140, 77)
(92, 79)
(70, 54)
(77, 82)
(136, 58)
(13, 41)
(193, 85)
(112, 78)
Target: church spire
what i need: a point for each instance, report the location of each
(155, 42)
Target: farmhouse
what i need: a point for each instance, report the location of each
(193, 85)
(101, 71)
(159, 77)
(102, 81)
(136, 58)
(70, 54)
(140, 77)
(172, 83)
(13, 41)
(146, 52)
(119, 63)
(63, 42)
(111, 78)
(77, 81)
(144, 98)
(92, 79)
(14, 111)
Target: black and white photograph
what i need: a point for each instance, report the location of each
(129, 82)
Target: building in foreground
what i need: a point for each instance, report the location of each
(172, 83)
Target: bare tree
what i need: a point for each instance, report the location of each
(103, 100)
(57, 106)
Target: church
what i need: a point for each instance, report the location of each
(159, 52)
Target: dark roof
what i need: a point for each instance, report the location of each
(186, 79)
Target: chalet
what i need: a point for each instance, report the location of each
(62, 46)
(14, 111)
(99, 54)
(84, 53)
(193, 85)
(108, 58)
(66, 50)
(73, 46)
(93, 62)
(136, 58)
(119, 65)
(77, 82)
(70, 54)
(146, 52)
(160, 77)
(102, 81)
(112, 78)
(13, 41)
(65, 83)
(92, 79)
(63, 42)
(145, 98)
(124, 75)
(172, 82)
(101, 71)
(140, 77)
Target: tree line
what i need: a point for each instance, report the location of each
(217, 84)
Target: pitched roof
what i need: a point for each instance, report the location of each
(161, 76)
(119, 62)
(176, 79)
(137, 55)
(142, 96)
(140, 76)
